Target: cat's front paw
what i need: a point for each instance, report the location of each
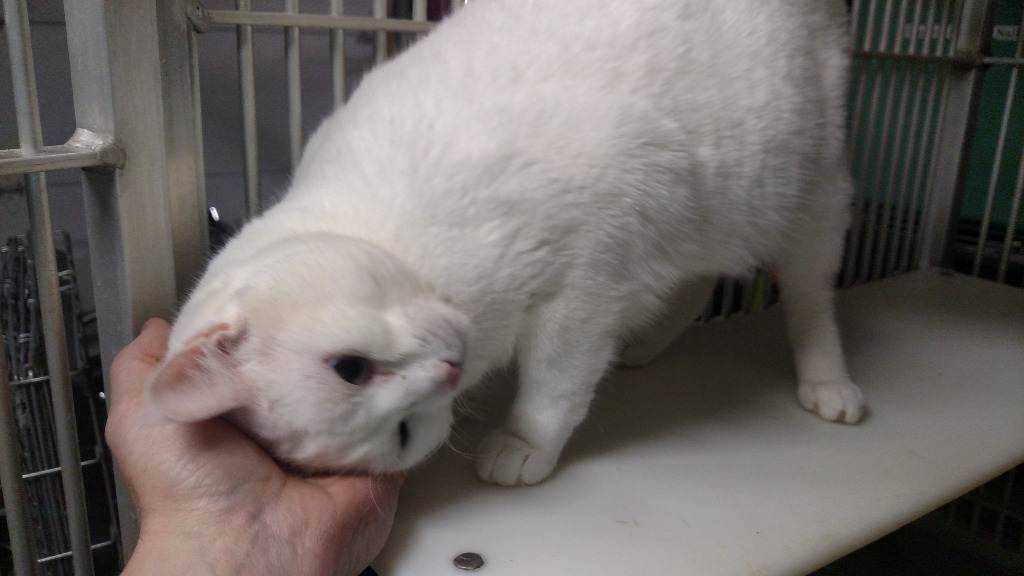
(834, 400)
(508, 460)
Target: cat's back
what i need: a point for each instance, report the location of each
(640, 48)
(528, 77)
(540, 128)
(542, 96)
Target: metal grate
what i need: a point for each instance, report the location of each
(899, 93)
(990, 235)
(61, 430)
(988, 521)
(34, 415)
(904, 125)
(336, 39)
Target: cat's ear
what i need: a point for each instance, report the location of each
(201, 381)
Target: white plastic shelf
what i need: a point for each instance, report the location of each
(703, 462)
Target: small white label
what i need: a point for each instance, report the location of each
(1006, 33)
(933, 31)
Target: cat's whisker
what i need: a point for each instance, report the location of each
(375, 483)
(462, 437)
(456, 433)
(460, 452)
(463, 409)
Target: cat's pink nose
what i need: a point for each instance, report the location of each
(452, 373)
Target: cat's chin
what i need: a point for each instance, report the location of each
(427, 431)
(417, 436)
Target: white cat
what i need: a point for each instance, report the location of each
(535, 181)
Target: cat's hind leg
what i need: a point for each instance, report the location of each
(562, 354)
(806, 277)
(681, 309)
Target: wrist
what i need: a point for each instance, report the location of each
(197, 546)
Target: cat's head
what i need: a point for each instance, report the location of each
(329, 351)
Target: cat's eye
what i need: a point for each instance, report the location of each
(353, 369)
(403, 434)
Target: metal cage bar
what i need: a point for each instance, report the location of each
(935, 110)
(890, 168)
(247, 86)
(419, 10)
(11, 481)
(866, 69)
(1011, 223)
(380, 12)
(986, 218)
(896, 162)
(904, 219)
(935, 74)
(192, 233)
(65, 421)
(871, 173)
(859, 74)
(146, 221)
(66, 432)
(83, 150)
(1018, 189)
(338, 83)
(292, 53)
(911, 63)
(36, 414)
(380, 23)
(180, 103)
(963, 89)
(293, 21)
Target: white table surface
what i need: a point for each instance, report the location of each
(703, 463)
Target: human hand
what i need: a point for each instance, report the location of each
(210, 501)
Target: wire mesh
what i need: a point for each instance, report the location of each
(35, 416)
(990, 239)
(313, 42)
(904, 52)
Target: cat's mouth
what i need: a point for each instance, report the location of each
(403, 434)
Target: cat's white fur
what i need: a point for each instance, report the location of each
(534, 180)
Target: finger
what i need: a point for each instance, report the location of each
(129, 371)
(151, 345)
(137, 359)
